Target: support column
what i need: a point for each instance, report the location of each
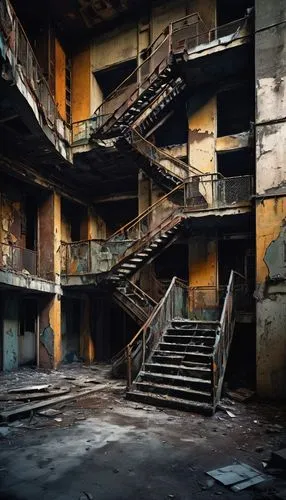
(50, 268)
(270, 64)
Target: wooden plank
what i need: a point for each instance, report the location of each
(34, 395)
(25, 410)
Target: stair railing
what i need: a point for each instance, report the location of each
(173, 304)
(224, 338)
(162, 159)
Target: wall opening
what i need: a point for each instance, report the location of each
(27, 331)
(235, 163)
(230, 11)
(108, 79)
(234, 110)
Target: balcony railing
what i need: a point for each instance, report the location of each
(18, 259)
(234, 30)
(213, 191)
(24, 56)
(199, 193)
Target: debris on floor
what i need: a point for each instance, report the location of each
(242, 395)
(278, 459)
(238, 476)
(59, 387)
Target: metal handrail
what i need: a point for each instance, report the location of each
(157, 153)
(142, 334)
(38, 83)
(224, 338)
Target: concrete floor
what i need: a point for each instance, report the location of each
(106, 448)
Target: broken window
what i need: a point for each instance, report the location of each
(109, 79)
(230, 11)
(234, 110)
(235, 163)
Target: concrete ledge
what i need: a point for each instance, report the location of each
(20, 280)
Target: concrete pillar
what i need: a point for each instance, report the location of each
(270, 65)
(50, 342)
(50, 268)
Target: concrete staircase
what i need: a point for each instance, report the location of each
(178, 373)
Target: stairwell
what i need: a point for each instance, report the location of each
(178, 374)
(181, 362)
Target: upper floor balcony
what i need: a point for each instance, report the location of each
(181, 40)
(22, 68)
(199, 196)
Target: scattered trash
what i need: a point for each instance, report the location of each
(58, 419)
(242, 395)
(238, 476)
(30, 388)
(49, 412)
(226, 410)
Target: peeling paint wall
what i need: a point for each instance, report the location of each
(202, 134)
(10, 332)
(270, 58)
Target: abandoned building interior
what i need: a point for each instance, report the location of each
(142, 192)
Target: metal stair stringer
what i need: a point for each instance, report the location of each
(134, 301)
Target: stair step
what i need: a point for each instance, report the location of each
(174, 391)
(183, 354)
(195, 383)
(182, 339)
(136, 260)
(133, 266)
(181, 369)
(202, 325)
(209, 334)
(178, 403)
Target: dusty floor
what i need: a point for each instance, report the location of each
(103, 447)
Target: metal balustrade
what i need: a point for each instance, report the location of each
(18, 259)
(25, 59)
(198, 193)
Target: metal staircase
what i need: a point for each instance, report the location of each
(134, 301)
(179, 362)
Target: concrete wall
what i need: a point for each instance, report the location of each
(202, 132)
(270, 62)
(10, 328)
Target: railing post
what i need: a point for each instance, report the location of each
(128, 367)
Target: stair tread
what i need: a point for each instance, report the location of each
(179, 353)
(187, 390)
(174, 377)
(178, 367)
(177, 401)
(177, 344)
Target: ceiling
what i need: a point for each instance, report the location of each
(79, 19)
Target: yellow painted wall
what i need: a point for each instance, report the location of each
(118, 48)
(202, 262)
(270, 214)
(60, 79)
(81, 88)
(202, 134)
(96, 226)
